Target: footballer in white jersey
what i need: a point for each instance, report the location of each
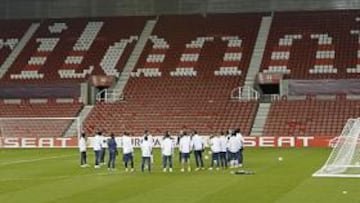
(167, 148)
(241, 138)
(185, 149)
(97, 140)
(146, 148)
(151, 141)
(82, 149)
(128, 149)
(223, 150)
(215, 147)
(198, 146)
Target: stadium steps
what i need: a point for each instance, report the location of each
(71, 131)
(258, 52)
(260, 119)
(135, 55)
(17, 50)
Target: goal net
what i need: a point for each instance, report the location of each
(344, 160)
(40, 126)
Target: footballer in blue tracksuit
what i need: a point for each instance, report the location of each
(112, 147)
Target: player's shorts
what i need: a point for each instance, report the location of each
(223, 155)
(234, 156)
(127, 157)
(215, 156)
(185, 156)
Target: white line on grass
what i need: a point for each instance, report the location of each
(61, 176)
(33, 160)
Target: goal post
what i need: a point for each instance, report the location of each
(40, 126)
(344, 160)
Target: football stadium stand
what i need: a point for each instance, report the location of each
(10, 35)
(185, 76)
(17, 116)
(73, 49)
(303, 48)
(310, 117)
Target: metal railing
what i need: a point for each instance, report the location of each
(244, 94)
(109, 95)
(268, 98)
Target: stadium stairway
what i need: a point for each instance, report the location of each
(260, 119)
(133, 59)
(72, 130)
(17, 50)
(258, 52)
(254, 67)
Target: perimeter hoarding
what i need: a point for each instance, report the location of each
(250, 141)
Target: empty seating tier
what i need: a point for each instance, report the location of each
(310, 117)
(21, 119)
(160, 115)
(74, 49)
(11, 32)
(212, 45)
(179, 82)
(314, 45)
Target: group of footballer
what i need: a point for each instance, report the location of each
(226, 150)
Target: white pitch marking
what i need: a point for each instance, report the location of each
(33, 160)
(61, 176)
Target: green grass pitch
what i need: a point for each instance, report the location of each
(54, 175)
